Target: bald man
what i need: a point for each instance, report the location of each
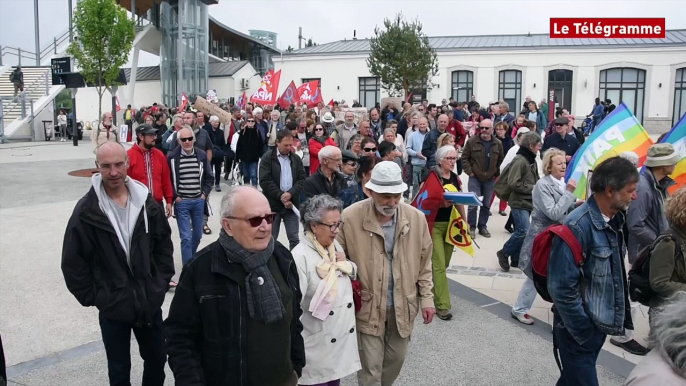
(105, 266)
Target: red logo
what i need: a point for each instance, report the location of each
(607, 28)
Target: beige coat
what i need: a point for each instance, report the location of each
(98, 137)
(362, 240)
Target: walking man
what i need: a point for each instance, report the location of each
(118, 256)
(394, 268)
(281, 178)
(17, 79)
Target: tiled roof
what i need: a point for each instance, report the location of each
(216, 69)
(484, 42)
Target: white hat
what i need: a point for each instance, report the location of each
(387, 177)
(328, 118)
(523, 130)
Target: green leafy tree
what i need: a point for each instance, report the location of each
(105, 37)
(401, 56)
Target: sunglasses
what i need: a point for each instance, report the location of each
(369, 149)
(257, 220)
(351, 163)
(251, 120)
(187, 139)
(484, 127)
(318, 129)
(560, 124)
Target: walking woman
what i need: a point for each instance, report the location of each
(552, 200)
(317, 142)
(328, 316)
(249, 151)
(218, 150)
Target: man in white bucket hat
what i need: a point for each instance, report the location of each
(394, 270)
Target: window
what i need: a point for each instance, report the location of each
(369, 92)
(679, 95)
(624, 85)
(305, 80)
(510, 88)
(462, 85)
(561, 82)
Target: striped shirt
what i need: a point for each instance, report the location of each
(189, 176)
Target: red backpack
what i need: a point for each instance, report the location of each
(543, 245)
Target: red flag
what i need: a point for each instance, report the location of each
(310, 93)
(289, 96)
(242, 101)
(266, 94)
(429, 198)
(116, 99)
(331, 102)
(184, 102)
(407, 100)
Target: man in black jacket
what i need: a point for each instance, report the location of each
(118, 256)
(327, 179)
(235, 317)
(281, 178)
(561, 140)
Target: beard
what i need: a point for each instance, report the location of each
(149, 146)
(385, 210)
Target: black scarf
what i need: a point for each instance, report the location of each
(528, 154)
(264, 297)
(321, 139)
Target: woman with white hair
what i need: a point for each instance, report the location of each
(218, 150)
(327, 303)
(665, 364)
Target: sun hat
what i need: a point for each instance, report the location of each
(661, 154)
(387, 177)
(327, 118)
(523, 130)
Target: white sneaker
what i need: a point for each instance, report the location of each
(524, 319)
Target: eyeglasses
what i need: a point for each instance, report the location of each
(318, 129)
(187, 139)
(351, 163)
(257, 220)
(332, 227)
(370, 149)
(450, 159)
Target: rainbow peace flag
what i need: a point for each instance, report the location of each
(677, 137)
(618, 132)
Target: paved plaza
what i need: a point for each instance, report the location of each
(49, 339)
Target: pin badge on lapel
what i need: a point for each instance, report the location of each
(260, 280)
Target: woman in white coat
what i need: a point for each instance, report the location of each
(327, 302)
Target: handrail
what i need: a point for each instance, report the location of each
(24, 115)
(45, 52)
(19, 104)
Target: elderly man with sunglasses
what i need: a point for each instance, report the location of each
(192, 181)
(235, 317)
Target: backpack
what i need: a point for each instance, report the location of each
(502, 188)
(543, 245)
(639, 274)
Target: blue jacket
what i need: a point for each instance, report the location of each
(595, 295)
(414, 147)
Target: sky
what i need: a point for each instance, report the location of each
(325, 21)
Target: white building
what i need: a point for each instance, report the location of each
(649, 75)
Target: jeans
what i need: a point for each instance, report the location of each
(292, 223)
(577, 360)
(189, 218)
(513, 245)
(526, 298)
(116, 337)
(249, 171)
(485, 191)
(417, 172)
(217, 164)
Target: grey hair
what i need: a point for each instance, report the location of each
(631, 156)
(389, 130)
(443, 152)
(530, 139)
(668, 332)
(229, 200)
(312, 210)
(176, 118)
(326, 152)
(214, 118)
(185, 127)
(505, 105)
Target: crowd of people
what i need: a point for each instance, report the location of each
(361, 263)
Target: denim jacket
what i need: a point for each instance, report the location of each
(596, 294)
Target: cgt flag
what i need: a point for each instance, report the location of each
(458, 234)
(310, 93)
(266, 94)
(289, 96)
(429, 198)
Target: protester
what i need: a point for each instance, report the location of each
(363, 174)
(582, 321)
(249, 150)
(503, 115)
(161, 127)
(431, 140)
(218, 149)
(236, 313)
(552, 201)
(664, 365)
(536, 116)
(231, 135)
(481, 158)
(281, 178)
(105, 132)
(317, 142)
(326, 179)
(116, 233)
(325, 280)
(446, 139)
(561, 140)
(507, 141)
(202, 137)
(348, 167)
(274, 127)
(521, 179)
(414, 150)
(355, 144)
(399, 251)
(365, 130)
(191, 175)
(375, 125)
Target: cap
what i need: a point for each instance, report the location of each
(661, 154)
(349, 156)
(561, 121)
(145, 129)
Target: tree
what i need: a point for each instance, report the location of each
(401, 56)
(105, 37)
(310, 43)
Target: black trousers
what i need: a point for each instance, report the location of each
(217, 164)
(117, 339)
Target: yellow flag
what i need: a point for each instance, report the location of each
(458, 233)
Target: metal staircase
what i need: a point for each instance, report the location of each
(37, 82)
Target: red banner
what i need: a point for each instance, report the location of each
(184, 103)
(289, 96)
(429, 198)
(607, 28)
(266, 94)
(310, 93)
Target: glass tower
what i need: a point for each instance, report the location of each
(184, 25)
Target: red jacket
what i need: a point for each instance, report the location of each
(455, 128)
(315, 147)
(161, 178)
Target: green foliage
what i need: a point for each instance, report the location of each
(104, 39)
(401, 56)
(63, 100)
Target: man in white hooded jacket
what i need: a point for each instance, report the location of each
(117, 256)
